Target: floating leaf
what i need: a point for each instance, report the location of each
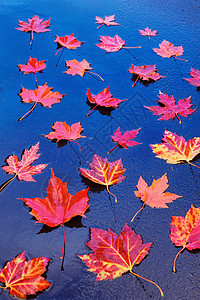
(195, 80)
(104, 98)
(32, 66)
(23, 169)
(62, 131)
(108, 20)
(67, 41)
(124, 140)
(23, 277)
(103, 172)
(185, 232)
(34, 25)
(115, 255)
(169, 109)
(167, 49)
(112, 44)
(148, 32)
(154, 195)
(145, 72)
(58, 207)
(174, 148)
(42, 95)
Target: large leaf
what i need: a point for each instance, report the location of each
(115, 255)
(103, 172)
(58, 207)
(112, 44)
(185, 232)
(23, 277)
(174, 148)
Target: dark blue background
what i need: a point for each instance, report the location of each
(177, 22)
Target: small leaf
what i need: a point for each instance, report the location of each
(167, 49)
(108, 20)
(148, 32)
(67, 41)
(105, 173)
(195, 80)
(112, 44)
(32, 66)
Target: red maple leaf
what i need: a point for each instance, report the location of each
(23, 169)
(108, 20)
(154, 195)
(104, 98)
(23, 277)
(185, 232)
(32, 66)
(145, 72)
(195, 80)
(112, 44)
(124, 140)
(105, 173)
(62, 131)
(42, 95)
(79, 68)
(167, 49)
(58, 207)
(115, 255)
(67, 41)
(169, 109)
(34, 25)
(148, 32)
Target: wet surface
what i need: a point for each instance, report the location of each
(177, 22)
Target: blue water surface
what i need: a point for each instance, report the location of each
(177, 22)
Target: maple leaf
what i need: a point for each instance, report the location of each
(167, 49)
(104, 98)
(23, 169)
(114, 255)
(174, 148)
(145, 72)
(32, 66)
(185, 232)
(34, 25)
(112, 44)
(79, 68)
(67, 41)
(148, 32)
(154, 195)
(124, 140)
(42, 95)
(169, 109)
(105, 173)
(108, 20)
(62, 131)
(23, 277)
(58, 207)
(195, 80)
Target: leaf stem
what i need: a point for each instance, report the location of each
(28, 112)
(91, 110)
(63, 247)
(35, 77)
(138, 211)
(179, 58)
(76, 143)
(174, 268)
(7, 182)
(31, 37)
(111, 193)
(132, 47)
(161, 292)
(136, 81)
(112, 149)
(59, 50)
(100, 26)
(193, 165)
(178, 118)
(95, 74)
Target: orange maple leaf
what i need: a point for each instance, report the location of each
(23, 277)
(154, 195)
(185, 232)
(114, 255)
(105, 173)
(174, 148)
